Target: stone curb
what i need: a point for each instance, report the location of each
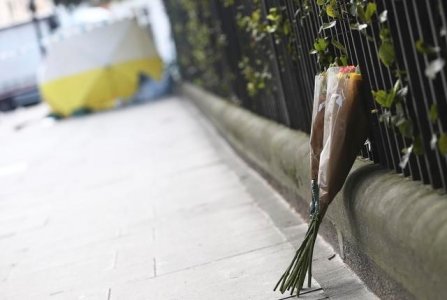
(390, 230)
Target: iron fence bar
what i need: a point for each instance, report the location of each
(423, 162)
(411, 168)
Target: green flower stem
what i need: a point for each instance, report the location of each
(293, 278)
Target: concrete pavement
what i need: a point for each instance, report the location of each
(145, 202)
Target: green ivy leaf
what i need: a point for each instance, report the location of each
(442, 144)
(339, 46)
(423, 48)
(320, 2)
(434, 112)
(405, 127)
(321, 45)
(331, 9)
(386, 53)
(287, 28)
(371, 9)
(384, 98)
(228, 3)
(360, 11)
(344, 60)
(385, 34)
(418, 146)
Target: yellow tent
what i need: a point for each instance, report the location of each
(92, 69)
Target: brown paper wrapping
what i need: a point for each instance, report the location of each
(345, 131)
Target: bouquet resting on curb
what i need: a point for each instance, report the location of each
(339, 129)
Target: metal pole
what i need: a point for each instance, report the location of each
(32, 8)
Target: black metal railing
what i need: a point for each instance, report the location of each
(288, 91)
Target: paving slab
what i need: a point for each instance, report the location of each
(144, 202)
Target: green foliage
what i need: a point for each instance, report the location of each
(386, 51)
(321, 49)
(423, 48)
(371, 9)
(433, 112)
(201, 42)
(364, 11)
(384, 98)
(332, 9)
(442, 144)
(418, 146)
(329, 7)
(259, 26)
(321, 44)
(256, 80)
(228, 3)
(339, 46)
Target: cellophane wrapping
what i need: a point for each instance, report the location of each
(345, 131)
(316, 133)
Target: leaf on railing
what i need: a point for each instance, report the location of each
(384, 98)
(434, 67)
(321, 44)
(442, 144)
(433, 112)
(371, 9)
(418, 146)
(327, 25)
(423, 48)
(387, 54)
(331, 11)
(405, 127)
(386, 51)
(339, 46)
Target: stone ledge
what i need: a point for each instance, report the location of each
(391, 231)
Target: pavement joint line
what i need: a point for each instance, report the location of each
(155, 267)
(56, 293)
(210, 262)
(288, 297)
(153, 234)
(198, 167)
(7, 235)
(114, 260)
(304, 293)
(311, 291)
(107, 182)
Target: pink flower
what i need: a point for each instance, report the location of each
(347, 69)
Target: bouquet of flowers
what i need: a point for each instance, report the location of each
(335, 142)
